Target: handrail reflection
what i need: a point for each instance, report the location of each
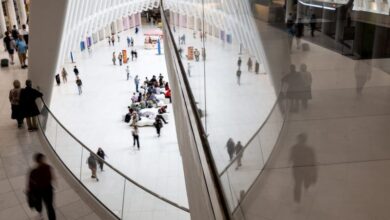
(109, 165)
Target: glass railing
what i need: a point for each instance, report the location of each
(233, 107)
(122, 196)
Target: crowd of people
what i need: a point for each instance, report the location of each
(148, 106)
(17, 40)
(23, 104)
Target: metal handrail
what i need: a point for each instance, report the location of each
(113, 168)
(203, 136)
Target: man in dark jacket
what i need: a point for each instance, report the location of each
(29, 108)
(40, 186)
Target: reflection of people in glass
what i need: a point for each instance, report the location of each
(306, 89)
(239, 152)
(295, 87)
(303, 161)
(362, 75)
(299, 29)
(313, 20)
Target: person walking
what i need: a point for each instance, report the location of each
(29, 108)
(128, 72)
(120, 57)
(79, 84)
(230, 145)
(113, 58)
(250, 64)
(21, 47)
(189, 69)
(132, 42)
(102, 155)
(239, 152)
(92, 165)
(239, 62)
(14, 32)
(9, 45)
(128, 41)
(25, 33)
(257, 67)
(313, 20)
(158, 125)
(14, 98)
(136, 82)
(109, 41)
(76, 71)
(113, 40)
(64, 75)
(135, 134)
(40, 187)
(58, 80)
(238, 74)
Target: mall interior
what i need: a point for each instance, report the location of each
(204, 109)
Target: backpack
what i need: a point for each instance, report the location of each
(127, 118)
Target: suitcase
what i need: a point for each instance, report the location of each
(4, 62)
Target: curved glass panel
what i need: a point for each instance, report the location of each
(122, 196)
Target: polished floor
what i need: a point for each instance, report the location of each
(339, 169)
(96, 118)
(16, 149)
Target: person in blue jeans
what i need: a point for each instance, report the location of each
(21, 47)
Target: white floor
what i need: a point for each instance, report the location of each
(232, 110)
(96, 118)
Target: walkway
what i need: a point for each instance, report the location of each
(341, 170)
(17, 146)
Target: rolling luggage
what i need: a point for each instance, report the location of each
(4, 62)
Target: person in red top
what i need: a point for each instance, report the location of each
(40, 187)
(168, 95)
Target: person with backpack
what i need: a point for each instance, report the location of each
(92, 165)
(9, 45)
(40, 187)
(102, 155)
(79, 84)
(15, 32)
(29, 108)
(158, 125)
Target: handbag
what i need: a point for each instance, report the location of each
(32, 199)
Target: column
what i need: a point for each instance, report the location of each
(22, 12)
(11, 13)
(44, 55)
(3, 27)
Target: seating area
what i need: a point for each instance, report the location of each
(149, 103)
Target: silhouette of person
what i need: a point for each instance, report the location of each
(303, 160)
(307, 80)
(295, 88)
(362, 74)
(230, 145)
